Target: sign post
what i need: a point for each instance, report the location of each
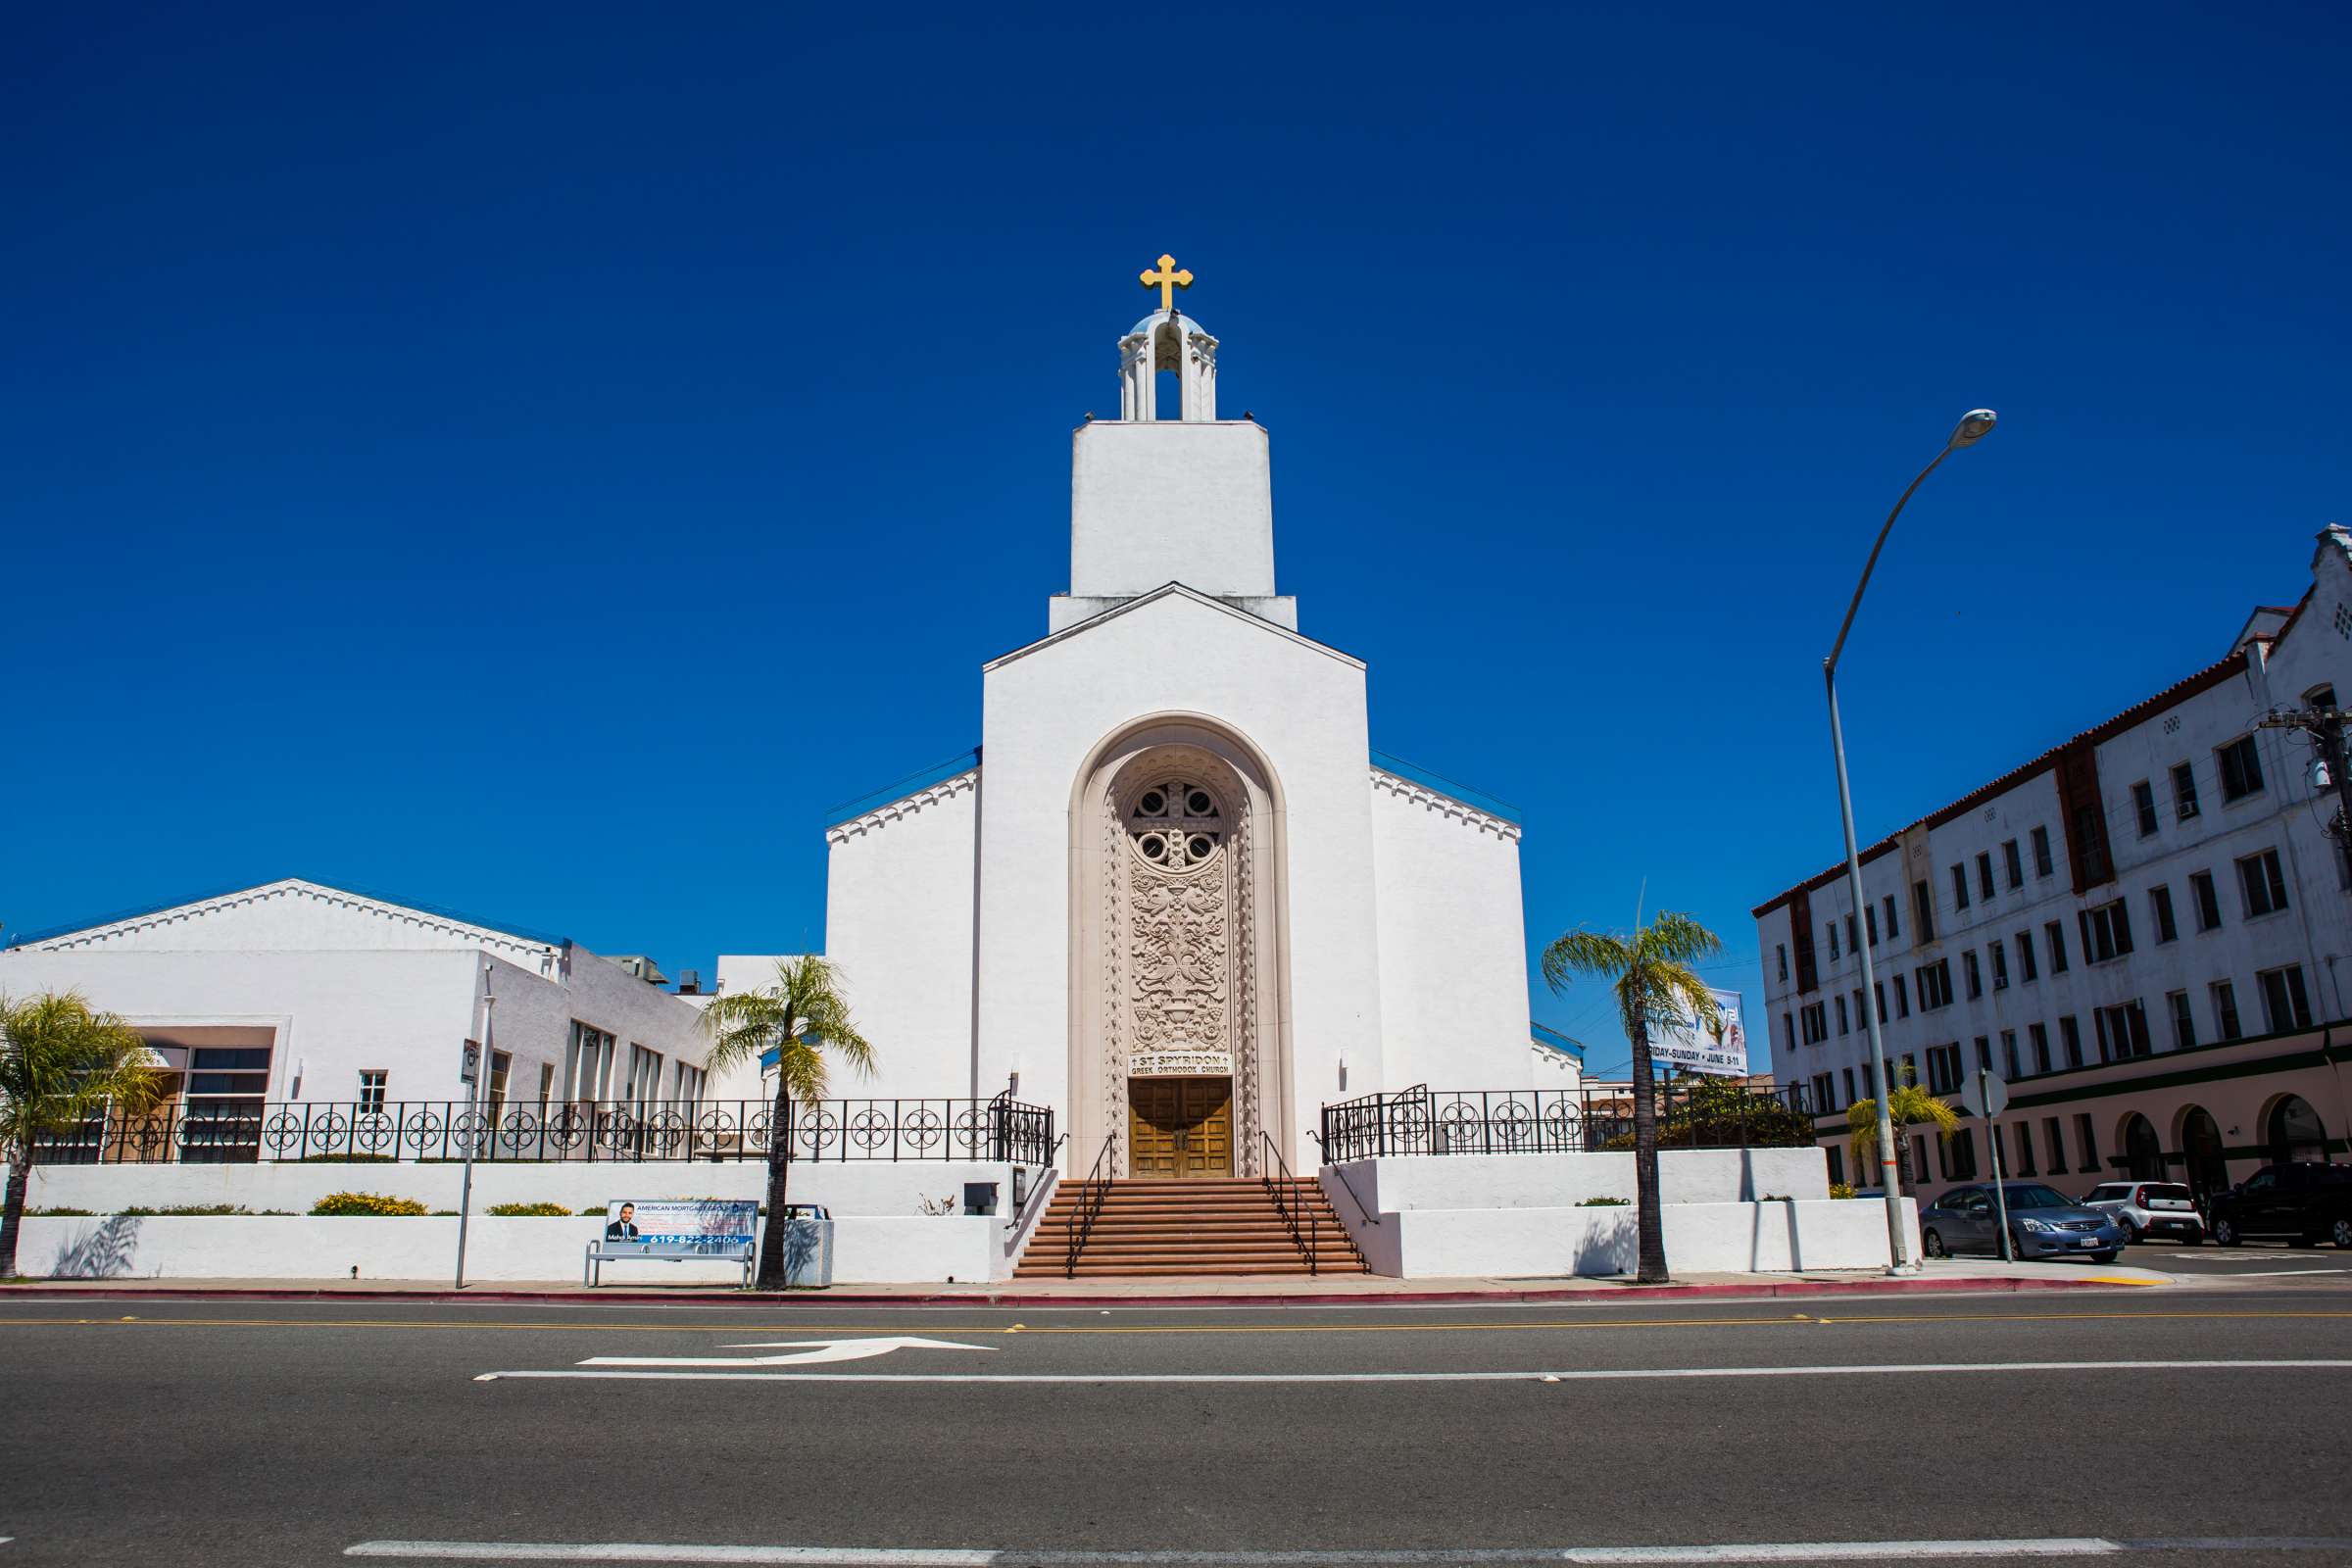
(1992, 1099)
(470, 1075)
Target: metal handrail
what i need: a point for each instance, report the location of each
(1045, 1183)
(1093, 1193)
(1370, 1218)
(1287, 1204)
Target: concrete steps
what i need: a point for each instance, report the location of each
(1159, 1228)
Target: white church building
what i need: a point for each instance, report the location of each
(1174, 893)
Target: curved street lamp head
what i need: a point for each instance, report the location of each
(1974, 426)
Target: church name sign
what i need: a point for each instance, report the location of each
(1179, 1063)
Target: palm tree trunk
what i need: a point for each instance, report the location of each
(1903, 1163)
(770, 1276)
(12, 1216)
(1650, 1225)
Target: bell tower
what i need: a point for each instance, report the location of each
(1157, 498)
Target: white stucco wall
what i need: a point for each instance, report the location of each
(1452, 944)
(875, 1250)
(1166, 501)
(1540, 1181)
(901, 898)
(1701, 1238)
(1299, 704)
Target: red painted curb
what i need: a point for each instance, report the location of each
(1976, 1285)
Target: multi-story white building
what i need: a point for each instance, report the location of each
(2144, 930)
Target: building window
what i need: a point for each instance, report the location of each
(1973, 973)
(1789, 1028)
(2143, 801)
(2224, 1010)
(2014, 863)
(2086, 1147)
(546, 1083)
(2041, 851)
(1869, 923)
(590, 1069)
(1841, 1016)
(1985, 873)
(2106, 931)
(2240, 769)
(501, 1064)
(1960, 1155)
(690, 1084)
(1984, 1054)
(2090, 831)
(1877, 996)
(2056, 936)
(2041, 1036)
(2184, 1023)
(1837, 1166)
(1832, 942)
(1936, 985)
(2159, 905)
(2208, 902)
(2025, 1147)
(1782, 949)
(1943, 1070)
(1894, 930)
(2054, 1143)
(1851, 946)
(2263, 884)
(2184, 790)
(645, 1075)
(2014, 1068)
(2025, 957)
(1848, 1075)
(2123, 1032)
(2286, 1004)
(1903, 998)
(1959, 887)
(371, 1091)
(2069, 1034)
(1923, 905)
(2001, 963)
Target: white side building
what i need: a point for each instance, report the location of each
(2146, 930)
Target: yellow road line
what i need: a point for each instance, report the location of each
(831, 1329)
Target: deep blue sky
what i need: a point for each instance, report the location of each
(537, 459)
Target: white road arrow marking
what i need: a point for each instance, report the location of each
(803, 1352)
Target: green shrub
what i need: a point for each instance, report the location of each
(1842, 1188)
(367, 1204)
(59, 1214)
(182, 1210)
(1604, 1202)
(529, 1210)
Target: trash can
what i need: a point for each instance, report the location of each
(808, 1246)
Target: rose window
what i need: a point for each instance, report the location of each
(1176, 825)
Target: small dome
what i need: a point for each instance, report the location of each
(1158, 316)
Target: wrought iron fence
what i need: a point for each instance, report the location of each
(999, 1129)
(1692, 1114)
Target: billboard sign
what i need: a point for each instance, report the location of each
(1685, 1044)
(689, 1225)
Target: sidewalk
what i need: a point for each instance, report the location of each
(1938, 1275)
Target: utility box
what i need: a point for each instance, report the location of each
(979, 1198)
(808, 1246)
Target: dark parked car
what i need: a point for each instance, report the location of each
(2044, 1222)
(2305, 1201)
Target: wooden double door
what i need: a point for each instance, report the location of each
(1179, 1127)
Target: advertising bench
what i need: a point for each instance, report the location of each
(664, 1230)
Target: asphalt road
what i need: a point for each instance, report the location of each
(265, 1434)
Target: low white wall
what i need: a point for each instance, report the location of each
(1562, 1181)
(1701, 1238)
(866, 1250)
(1519, 1215)
(863, 1187)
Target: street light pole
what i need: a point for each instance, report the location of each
(1971, 429)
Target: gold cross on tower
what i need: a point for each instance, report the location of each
(1167, 280)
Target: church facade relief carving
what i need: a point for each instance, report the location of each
(1167, 931)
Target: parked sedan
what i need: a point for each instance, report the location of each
(2150, 1210)
(2044, 1222)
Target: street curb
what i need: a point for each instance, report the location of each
(1794, 1288)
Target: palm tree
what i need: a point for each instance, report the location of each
(1908, 1105)
(1651, 969)
(61, 1064)
(797, 1017)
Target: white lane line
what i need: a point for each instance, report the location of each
(1797, 1551)
(2292, 1273)
(1566, 1375)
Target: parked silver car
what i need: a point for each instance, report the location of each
(2044, 1222)
(2150, 1210)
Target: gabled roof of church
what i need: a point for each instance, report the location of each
(130, 916)
(1548, 1038)
(1171, 590)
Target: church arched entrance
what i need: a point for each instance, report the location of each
(2295, 1131)
(2143, 1151)
(2201, 1149)
(1178, 1052)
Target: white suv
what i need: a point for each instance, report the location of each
(2148, 1210)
